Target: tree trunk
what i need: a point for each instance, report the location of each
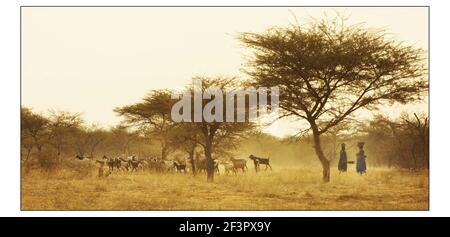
(414, 158)
(27, 156)
(323, 160)
(164, 152)
(192, 161)
(26, 162)
(209, 162)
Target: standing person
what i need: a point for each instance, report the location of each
(361, 159)
(342, 166)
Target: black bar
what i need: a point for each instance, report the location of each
(223, 226)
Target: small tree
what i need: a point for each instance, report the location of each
(153, 116)
(215, 134)
(33, 132)
(418, 130)
(401, 143)
(326, 70)
(62, 127)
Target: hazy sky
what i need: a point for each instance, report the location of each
(91, 60)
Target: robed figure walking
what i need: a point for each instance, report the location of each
(361, 159)
(342, 166)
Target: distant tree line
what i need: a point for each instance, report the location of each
(49, 141)
(400, 143)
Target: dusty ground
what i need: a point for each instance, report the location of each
(282, 189)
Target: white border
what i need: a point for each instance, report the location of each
(10, 100)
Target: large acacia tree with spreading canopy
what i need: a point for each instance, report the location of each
(215, 136)
(326, 70)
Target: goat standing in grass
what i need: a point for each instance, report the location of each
(201, 166)
(134, 164)
(111, 162)
(239, 164)
(123, 164)
(229, 167)
(258, 161)
(179, 167)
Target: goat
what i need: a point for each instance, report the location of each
(134, 164)
(123, 164)
(258, 160)
(156, 165)
(229, 167)
(179, 167)
(111, 162)
(239, 164)
(201, 166)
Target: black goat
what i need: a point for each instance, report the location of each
(258, 160)
(134, 164)
(179, 167)
(112, 162)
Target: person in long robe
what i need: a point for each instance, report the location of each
(342, 166)
(361, 159)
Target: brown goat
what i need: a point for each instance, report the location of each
(201, 166)
(239, 164)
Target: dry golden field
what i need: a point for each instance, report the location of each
(282, 189)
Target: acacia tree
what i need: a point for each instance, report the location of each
(153, 116)
(418, 129)
(214, 135)
(401, 143)
(326, 70)
(62, 128)
(33, 132)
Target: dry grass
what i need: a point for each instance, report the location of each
(282, 189)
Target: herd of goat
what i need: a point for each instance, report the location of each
(133, 163)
